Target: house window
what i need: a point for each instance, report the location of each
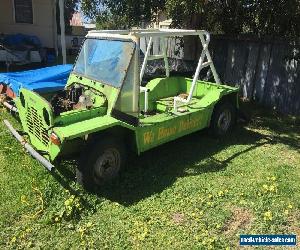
(23, 11)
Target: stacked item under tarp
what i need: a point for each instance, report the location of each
(21, 49)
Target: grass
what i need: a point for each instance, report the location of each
(194, 193)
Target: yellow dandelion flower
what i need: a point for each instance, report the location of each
(81, 231)
(243, 202)
(268, 216)
(272, 188)
(68, 202)
(221, 193)
(24, 200)
(290, 206)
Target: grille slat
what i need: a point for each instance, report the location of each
(35, 126)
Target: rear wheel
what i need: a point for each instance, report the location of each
(101, 163)
(223, 118)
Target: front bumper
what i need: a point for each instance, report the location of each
(28, 147)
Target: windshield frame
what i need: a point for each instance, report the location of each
(111, 39)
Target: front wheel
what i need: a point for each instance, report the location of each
(223, 118)
(101, 163)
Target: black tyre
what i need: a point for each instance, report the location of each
(101, 163)
(223, 119)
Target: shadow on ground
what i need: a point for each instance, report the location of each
(158, 169)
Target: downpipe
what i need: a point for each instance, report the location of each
(10, 107)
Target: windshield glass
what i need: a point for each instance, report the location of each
(104, 60)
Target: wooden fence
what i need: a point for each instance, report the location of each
(267, 72)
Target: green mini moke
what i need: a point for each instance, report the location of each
(107, 109)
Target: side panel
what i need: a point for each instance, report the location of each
(168, 127)
(76, 132)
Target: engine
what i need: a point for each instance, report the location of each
(75, 98)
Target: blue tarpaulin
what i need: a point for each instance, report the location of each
(39, 80)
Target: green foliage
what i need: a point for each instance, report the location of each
(274, 17)
(121, 13)
(69, 210)
(259, 17)
(107, 21)
(93, 9)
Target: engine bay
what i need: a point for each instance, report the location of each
(77, 97)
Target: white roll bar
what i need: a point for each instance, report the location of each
(165, 33)
(201, 64)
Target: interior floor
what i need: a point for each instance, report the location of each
(161, 93)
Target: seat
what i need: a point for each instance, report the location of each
(160, 89)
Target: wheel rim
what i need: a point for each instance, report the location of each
(224, 120)
(107, 166)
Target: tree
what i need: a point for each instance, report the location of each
(274, 17)
(259, 17)
(70, 8)
(121, 13)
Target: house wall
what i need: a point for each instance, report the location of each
(69, 39)
(161, 22)
(43, 21)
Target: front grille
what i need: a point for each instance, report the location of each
(35, 126)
